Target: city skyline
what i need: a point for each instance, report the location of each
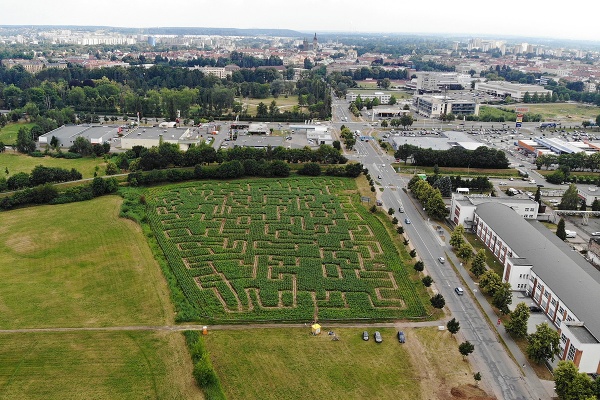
(510, 18)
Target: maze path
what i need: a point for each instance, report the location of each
(287, 247)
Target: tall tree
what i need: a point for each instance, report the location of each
(457, 238)
(478, 264)
(570, 199)
(438, 301)
(570, 384)
(453, 326)
(517, 325)
(544, 344)
(489, 282)
(560, 230)
(466, 348)
(25, 143)
(503, 297)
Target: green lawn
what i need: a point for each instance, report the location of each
(284, 104)
(16, 162)
(8, 134)
(95, 365)
(566, 112)
(78, 265)
(292, 364)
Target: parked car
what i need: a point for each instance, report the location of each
(378, 338)
(459, 291)
(401, 337)
(595, 233)
(441, 260)
(365, 336)
(534, 308)
(407, 221)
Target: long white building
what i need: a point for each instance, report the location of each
(559, 280)
(515, 90)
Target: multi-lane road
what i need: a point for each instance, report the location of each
(503, 376)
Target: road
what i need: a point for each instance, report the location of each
(502, 375)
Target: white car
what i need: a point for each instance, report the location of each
(595, 233)
(441, 260)
(459, 291)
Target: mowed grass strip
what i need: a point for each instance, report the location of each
(16, 162)
(96, 365)
(292, 364)
(78, 265)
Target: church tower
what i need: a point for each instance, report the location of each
(315, 43)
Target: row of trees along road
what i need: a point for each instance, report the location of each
(430, 198)
(482, 157)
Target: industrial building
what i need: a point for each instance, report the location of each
(153, 136)
(443, 141)
(66, 134)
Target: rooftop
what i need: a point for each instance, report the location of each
(582, 334)
(566, 272)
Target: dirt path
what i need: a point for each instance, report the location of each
(197, 327)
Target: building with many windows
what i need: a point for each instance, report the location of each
(515, 90)
(560, 281)
(382, 97)
(435, 106)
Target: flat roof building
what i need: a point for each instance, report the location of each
(435, 106)
(515, 90)
(151, 137)
(383, 98)
(66, 134)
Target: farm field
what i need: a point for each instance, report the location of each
(16, 162)
(78, 265)
(8, 134)
(96, 365)
(292, 364)
(281, 250)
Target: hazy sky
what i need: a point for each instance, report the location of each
(574, 19)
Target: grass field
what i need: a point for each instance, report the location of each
(292, 364)
(286, 249)
(8, 134)
(284, 104)
(16, 162)
(575, 112)
(95, 365)
(78, 265)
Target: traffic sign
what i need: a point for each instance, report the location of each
(518, 125)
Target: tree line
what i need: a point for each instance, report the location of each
(39, 175)
(482, 157)
(159, 91)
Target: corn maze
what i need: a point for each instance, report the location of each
(280, 250)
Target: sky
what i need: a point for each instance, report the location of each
(531, 18)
